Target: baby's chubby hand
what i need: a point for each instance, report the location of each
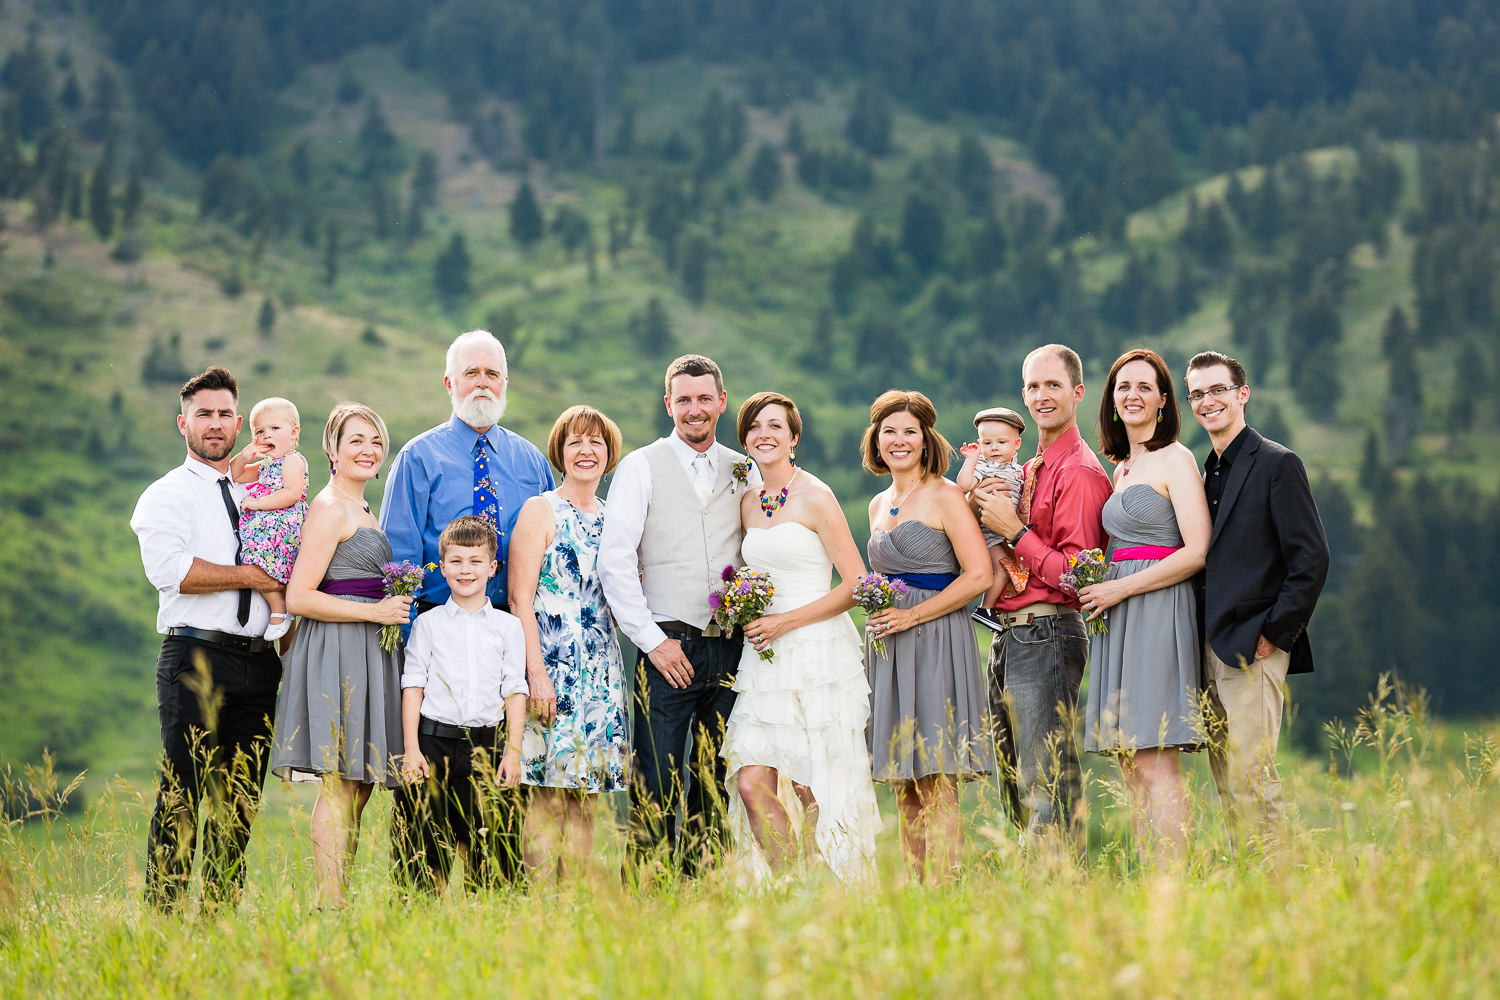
(970, 449)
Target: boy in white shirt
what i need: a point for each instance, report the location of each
(465, 674)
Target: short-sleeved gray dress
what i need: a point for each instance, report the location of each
(340, 706)
(927, 705)
(1145, 672)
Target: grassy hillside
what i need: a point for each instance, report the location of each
(91, 349)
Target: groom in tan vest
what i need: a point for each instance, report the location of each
(673, 524)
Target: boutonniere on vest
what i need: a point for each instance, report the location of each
(739, 473)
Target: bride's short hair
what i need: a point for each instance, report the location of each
(751, 408)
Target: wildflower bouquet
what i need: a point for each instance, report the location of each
(1085, 569)
(876, 592)
(401, 579)
(745, 596)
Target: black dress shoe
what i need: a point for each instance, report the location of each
(989, 618)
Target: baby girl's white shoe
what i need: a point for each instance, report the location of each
(276, 629)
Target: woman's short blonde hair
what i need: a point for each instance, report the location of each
(936, 450)
(333, 431)
(584, 420)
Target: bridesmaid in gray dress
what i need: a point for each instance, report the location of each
(1145, 671)
(927, 717)
(338, 719)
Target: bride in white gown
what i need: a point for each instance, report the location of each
(795, 745)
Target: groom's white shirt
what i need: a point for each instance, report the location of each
(628, 504)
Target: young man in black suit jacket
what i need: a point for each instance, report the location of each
(1267, 560)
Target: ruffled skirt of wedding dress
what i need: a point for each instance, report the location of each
(804, 714)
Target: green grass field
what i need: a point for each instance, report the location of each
(1382, 889)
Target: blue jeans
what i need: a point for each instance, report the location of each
(1035, 673)
(676, 735)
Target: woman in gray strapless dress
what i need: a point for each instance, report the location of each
(338, 719)
(1144, 673)
(340, 705)
(928, 720)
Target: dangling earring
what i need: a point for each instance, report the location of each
(1115, 416)
(1158, 414)
(794, 456)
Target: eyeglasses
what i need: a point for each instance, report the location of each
(1199, 395)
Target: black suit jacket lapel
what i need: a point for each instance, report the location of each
(1238, 473)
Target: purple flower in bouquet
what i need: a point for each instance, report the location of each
(746, 595)
(401, 579)
(1086, 568)
(876, 592)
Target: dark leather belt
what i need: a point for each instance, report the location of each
(477, 735)
(712, 631)
(249, 643)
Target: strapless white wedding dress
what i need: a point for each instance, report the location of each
(804, 713)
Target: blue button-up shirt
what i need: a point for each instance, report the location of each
(432, 482)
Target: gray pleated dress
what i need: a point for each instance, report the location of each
(1145, 672)
(927, 705)
(340, 706)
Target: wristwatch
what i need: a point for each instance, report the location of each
(1012, 541)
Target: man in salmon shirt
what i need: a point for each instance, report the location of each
(1040, 647)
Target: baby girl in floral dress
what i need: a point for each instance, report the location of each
(271, 516)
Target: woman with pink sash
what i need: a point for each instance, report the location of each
(1145, 674)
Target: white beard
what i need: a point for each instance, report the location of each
(480, 408)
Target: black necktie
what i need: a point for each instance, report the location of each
(243, 614)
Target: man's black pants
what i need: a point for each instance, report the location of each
(216, 704)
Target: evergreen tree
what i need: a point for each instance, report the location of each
(695, 268)
(382, 212)
(377, 142)
(101, 201)
(922, 231)
(1397, 330)
(870, 121)
(331, 254)
(765, 173)
(796, 141)
(301, 164)
(424, 180)
(974, 174)
(653, 329)
(572, 227)
(1468, 382)
(349, 89)
(987, 246)
(71, 97)
(265, 320)
(104, 101)
(525, 216)
(1265, 214)
(451, 270)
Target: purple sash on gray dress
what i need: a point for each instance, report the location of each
(359, 586)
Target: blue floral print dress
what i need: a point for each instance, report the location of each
(586, 747)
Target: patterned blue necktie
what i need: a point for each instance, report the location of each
(486, 504)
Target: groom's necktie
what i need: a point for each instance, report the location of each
(703, 483)
(243, 613)
(486, 503)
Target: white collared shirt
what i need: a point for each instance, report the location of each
(619, 563)
(466, 664)
(180, 517)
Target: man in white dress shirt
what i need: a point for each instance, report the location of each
(672, 527)
(216, 678)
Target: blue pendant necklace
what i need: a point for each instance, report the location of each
(896, 504)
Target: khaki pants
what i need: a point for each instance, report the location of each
(1243, 729)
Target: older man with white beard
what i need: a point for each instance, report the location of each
(468, 465)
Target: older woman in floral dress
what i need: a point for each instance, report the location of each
(575, 745)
